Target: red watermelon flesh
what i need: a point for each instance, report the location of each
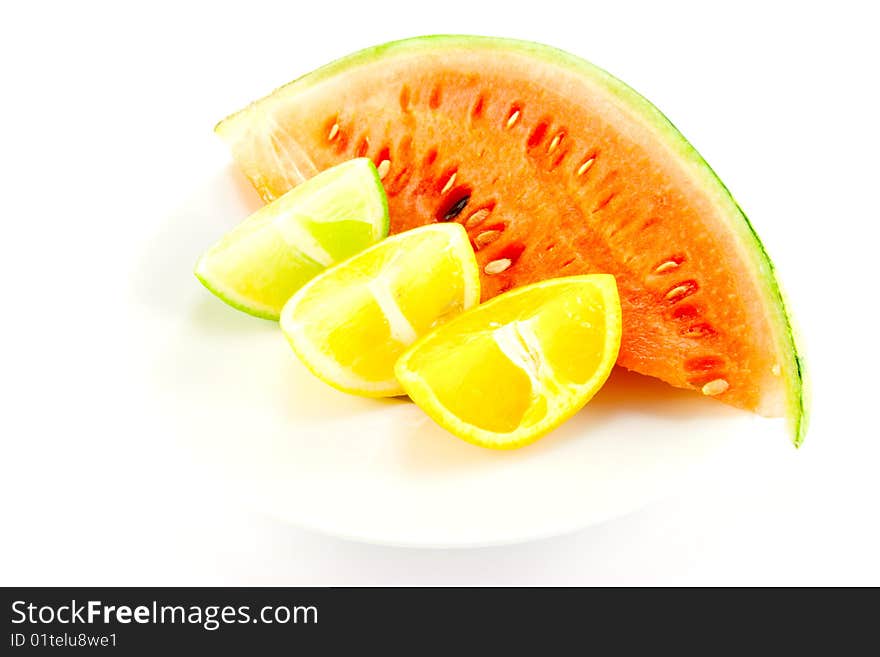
(555, 168)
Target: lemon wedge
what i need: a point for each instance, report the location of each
(350, 324)
(505, 373)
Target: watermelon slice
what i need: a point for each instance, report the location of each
(555, 168)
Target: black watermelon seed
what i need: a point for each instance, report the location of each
(456, 208)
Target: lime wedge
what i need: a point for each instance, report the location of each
(258, 265)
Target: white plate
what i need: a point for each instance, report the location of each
(379, 470)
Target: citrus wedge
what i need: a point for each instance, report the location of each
(505, 373)
(258, 265)
(351, 323)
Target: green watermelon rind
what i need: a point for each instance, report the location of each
(797, 401)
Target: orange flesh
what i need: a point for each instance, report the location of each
(560, 179)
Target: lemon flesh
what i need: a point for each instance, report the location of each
(505, 373)
(258, 265)
(350, 324)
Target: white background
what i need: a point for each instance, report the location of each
(106, 128)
